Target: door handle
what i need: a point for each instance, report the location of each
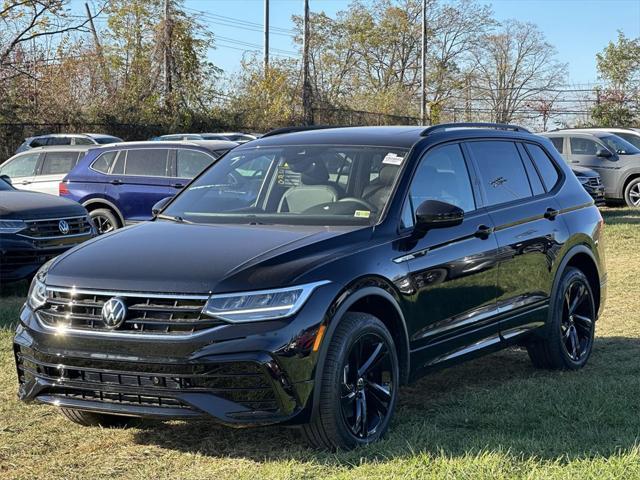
(551, 213)
(483, 232)
(115, 181)
(177, 185)
(25, 182)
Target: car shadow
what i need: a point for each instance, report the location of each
(498, 403)
(621, 216)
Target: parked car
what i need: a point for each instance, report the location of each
(615, 159)
(35, 228)
(120, 183)
(57, 139)
(41, 169)
(631, 135)
(368, 257)
(590, 180)
(237, 137)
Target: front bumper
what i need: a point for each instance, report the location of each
(241, 375)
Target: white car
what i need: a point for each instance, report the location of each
(631, 135)
(42, 169)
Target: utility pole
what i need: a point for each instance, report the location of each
(423, 66)
(168, 87)
(266, 36)
(306, 85)
(103, 66)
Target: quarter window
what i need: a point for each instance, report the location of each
(583, 146)
(190, 163)
(442, 175)
(502, 173)
(152, 162)
(57, 163)
(545, 166)
(104, 161)
(23, 166)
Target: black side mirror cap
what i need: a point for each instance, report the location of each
(436, 214)
(157, 208)
(6, 178)
(604, 153)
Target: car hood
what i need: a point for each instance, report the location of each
(169, 257)
(33, 205)
(583, 171)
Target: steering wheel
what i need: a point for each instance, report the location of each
(234, 178)
(359, 201)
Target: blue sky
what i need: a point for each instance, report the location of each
(577, 28)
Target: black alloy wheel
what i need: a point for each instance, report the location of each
(367, 385)
(104, 220)
(577, 320)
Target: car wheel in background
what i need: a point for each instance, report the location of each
(104, 220)
(569, 334)
(359, 385)
(632, 193)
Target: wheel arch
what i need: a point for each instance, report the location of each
(627, 179)
(95, 203)
(584, 260)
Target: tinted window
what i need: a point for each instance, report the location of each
(502, 173)
(442, 175)
(583, 146)
(558, 142)
(106, 140)
(545, 166)
(151, 162)
(39, 142)
(22, 166)
(118, 168)
(532, 173)
(59, 141)
(619, 145)
(83, 141)
(104, 161)
(56, 163)
(190, 163)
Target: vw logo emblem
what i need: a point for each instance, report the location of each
(114, 311)
(63, 226)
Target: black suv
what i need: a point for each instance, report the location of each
(305, 276)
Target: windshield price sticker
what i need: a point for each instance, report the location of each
(393, 159)
(362, 214)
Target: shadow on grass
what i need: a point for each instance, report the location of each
(621, 216)
(497, 403)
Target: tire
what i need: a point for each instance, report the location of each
(343, 392)
(104, 220)
(91, 419)
(632, 193)
(571, 322)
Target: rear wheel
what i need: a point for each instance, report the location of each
(104, 220)
(569, 334)
(91, 419)
(632, 193)
(359, 385)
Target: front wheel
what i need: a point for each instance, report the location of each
(104, 220)
(359, 385)
(632, 193)
(568, 340)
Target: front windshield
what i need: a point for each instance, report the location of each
(301, 185)
(619, 145)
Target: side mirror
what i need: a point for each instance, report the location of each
(155, 210)
(436, 214)
(604, 153)
(6, 178)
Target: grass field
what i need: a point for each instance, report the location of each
(495, 417)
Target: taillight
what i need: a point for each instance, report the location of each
(63, 189)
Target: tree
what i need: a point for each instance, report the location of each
(619, 67)
(514, 65)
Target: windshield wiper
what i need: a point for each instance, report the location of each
(176, 218)
(253, 220)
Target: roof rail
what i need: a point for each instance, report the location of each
(449, 126)
(283, 130)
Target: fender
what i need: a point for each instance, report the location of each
(333, 320)
(621, 188)
(106, 202)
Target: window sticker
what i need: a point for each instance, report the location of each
(393, 159)
(362, 214)
(287, 177)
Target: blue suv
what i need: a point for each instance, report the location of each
(119, 184)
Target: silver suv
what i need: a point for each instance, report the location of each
(616, 160)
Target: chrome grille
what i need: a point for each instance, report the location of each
(49, 228)
(146, 313)
(594, 182)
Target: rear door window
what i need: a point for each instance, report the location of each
(583, 146)
(57, 163)
(153, 162)
(23, 166)
(502, 174)
(190, 163)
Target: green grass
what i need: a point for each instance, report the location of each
(493, 418)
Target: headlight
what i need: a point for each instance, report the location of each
(583, 180)
(12, 226)
(38, 290)
(260, 305)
